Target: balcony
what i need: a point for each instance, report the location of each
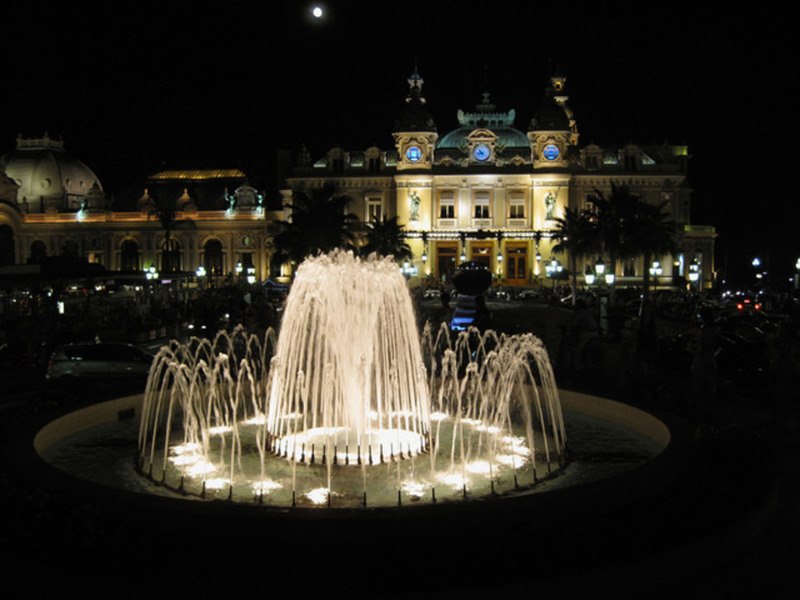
(512, 223)
(481, 223)
(446, 223)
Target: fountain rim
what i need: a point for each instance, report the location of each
(647, 480)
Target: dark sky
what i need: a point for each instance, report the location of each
(134, 86)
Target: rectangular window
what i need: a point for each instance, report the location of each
(374, 164)
(481, 205)
(447, 205)
(516, 205)
(374, 209)
(590, 202)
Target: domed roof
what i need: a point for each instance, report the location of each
(506, 136)
(44, 171)
(485, 117)
(415, 117)
(551, 115)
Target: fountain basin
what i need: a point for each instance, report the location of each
(594, 464)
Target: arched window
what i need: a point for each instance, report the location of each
(212, 257)
(129, 256)
(38, 252)
(171, 257)
(6, 245)
(69, 248)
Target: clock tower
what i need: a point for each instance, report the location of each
(415, 131)
(553, 133)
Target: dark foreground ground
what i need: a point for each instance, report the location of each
(728, 524)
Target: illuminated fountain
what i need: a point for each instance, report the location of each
(349, 406)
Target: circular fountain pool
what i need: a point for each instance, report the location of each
(350, 408)
(607, 439)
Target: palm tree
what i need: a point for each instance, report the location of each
(319, 223)
(629, 227)
(163, 207)
(576, 234)
(385, 237)
(649, 233)
(611, 219)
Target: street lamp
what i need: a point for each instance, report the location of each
(251, 275)
(553, 269)
(655, 271)
(589, 276)
(797, 274)
(151, 274)
(599, 266)
(238, 268)
(694, 272)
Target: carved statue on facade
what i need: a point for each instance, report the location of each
(415, 201)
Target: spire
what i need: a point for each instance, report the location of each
(415, 84)
(415, 117)
(485, 105)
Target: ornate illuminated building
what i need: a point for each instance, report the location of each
(490, 192)
(52, 204)
(485, 191)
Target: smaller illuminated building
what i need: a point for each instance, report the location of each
(52, 204)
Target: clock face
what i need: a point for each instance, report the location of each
(481, 152)
(550, 152)
(413, 153)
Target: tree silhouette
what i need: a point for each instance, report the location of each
(319, 223)
(385, 237)
(576, 235)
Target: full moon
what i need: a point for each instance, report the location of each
(317, 12)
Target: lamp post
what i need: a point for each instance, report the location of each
(553, 270)
(589, 277)
(655, 271)
(694, 274)
(251, 275)
(599, 267)
(151, 274)
(201, 274)
(797, 274)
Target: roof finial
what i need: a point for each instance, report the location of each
(415, 83)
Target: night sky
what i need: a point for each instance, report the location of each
(135, 87)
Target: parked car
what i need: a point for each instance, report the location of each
(107, 360)
(530, 294)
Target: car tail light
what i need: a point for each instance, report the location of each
(740, 306)
(757, 306)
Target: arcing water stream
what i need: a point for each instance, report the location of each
(349, 406)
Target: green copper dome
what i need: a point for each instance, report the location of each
(485, 117)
